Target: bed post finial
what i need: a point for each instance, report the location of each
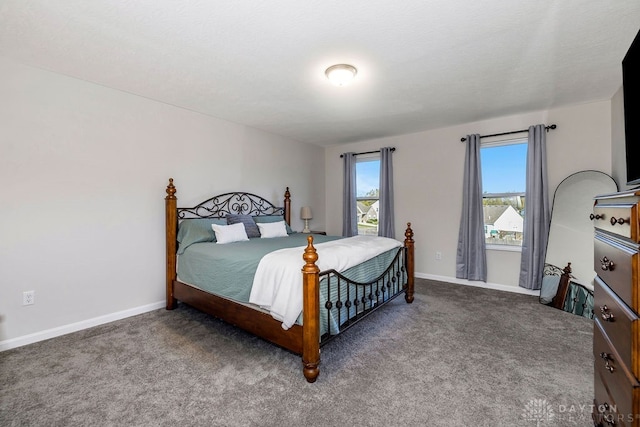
(408, 234)
(310, 313)
(409, 245)
(171, 190)
(310, 256)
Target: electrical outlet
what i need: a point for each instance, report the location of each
(438, 255)
(28, 297)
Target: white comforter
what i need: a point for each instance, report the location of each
(277, 285)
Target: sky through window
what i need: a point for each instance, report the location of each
(504, 168)
(367, 177)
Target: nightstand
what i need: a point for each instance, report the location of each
(324, 233)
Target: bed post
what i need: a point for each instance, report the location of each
(408, 243)
(287, 207)
(171, 212)
(310, 313)
(563, 288)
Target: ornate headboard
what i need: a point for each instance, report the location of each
(215, 207)
(241, 203)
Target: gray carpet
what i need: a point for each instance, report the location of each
(457, 356)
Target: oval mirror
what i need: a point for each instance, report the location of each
(571, 238)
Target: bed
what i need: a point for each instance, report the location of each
(331, 300)
(561, 291)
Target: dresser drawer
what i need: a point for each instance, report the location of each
(620, 324)
(622, 387)
(603, 411)
(617, 265)
(617, 219)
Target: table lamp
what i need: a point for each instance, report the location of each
(305, 213)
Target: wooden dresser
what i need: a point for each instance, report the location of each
(616, 331)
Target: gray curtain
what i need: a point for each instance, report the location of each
(537, 215)
(471, 257)
(349, 220)
(386, 220)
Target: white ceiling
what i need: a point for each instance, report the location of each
(423, 64)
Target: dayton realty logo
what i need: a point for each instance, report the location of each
(539, 411)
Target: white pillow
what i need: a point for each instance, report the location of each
(229, 233)
(272, 229)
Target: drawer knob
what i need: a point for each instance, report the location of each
(596, 216)
(607, 417)
(607, 264)
(607, 361)
(606, 315)
(615, 221)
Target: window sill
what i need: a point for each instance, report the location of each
(505, 248)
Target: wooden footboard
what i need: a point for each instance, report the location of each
(305, 339)
(374, 295)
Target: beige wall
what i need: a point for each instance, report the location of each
(84, 169)
(618, 151)
(428, 179)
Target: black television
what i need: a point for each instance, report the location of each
(631, 93)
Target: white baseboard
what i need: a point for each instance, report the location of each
(78, 326)
(478, 284)
(101, 320)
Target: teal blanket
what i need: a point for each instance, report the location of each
(227, 270)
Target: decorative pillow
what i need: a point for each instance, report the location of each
(196, 230)
(273, 218)
(549, 288)
(249, 224)
(272, 229)
(229, 233)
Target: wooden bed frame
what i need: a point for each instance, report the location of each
(563, 288)
(303, 340)
(560, 299)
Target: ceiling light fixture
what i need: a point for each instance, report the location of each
(341, 74)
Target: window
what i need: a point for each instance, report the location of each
(367, 193)
(504, 167)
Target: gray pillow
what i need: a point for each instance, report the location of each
(249, 224)
(196, 230)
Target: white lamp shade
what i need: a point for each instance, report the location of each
(305, 212)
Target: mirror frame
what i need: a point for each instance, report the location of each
(572, 226)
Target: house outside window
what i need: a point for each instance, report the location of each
(368, 193)
(504, 166)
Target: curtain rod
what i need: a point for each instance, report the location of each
(368, 152)
(509, 133)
